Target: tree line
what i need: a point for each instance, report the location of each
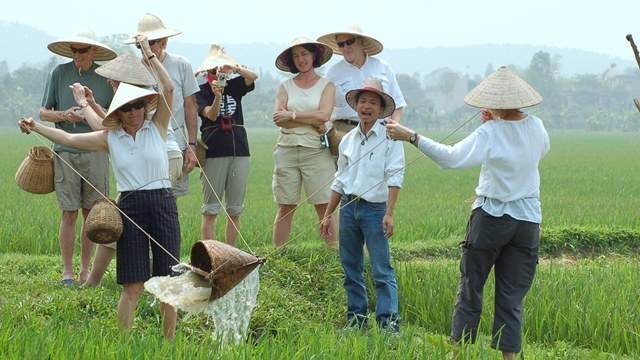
(590, 102)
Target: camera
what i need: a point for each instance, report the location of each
(324, 141)
(222, 79)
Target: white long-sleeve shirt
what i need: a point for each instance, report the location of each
(369, 164)
(509, 152)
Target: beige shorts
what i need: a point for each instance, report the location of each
(175, 166)
(297, 167)
(181, 185)
(74, 192)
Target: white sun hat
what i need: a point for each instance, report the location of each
(124, 94)
(153, 28)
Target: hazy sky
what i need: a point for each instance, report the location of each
(598, 26)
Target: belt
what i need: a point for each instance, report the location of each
(351, 197)
(348, 122)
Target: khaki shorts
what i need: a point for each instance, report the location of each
(225, 177)
(297, 167)
(74, 192)
(181, 185)
(175, 166)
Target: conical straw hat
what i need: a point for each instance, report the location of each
(503, 90)
(216, 57)
(371, 46)
(124, 94)
(62, 46)
(325, 53)
(153, 28)
(226, 265)
(127, 68)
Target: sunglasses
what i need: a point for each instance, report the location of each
(151, 43)
(80, 51)
(349, 42)
(136, 105)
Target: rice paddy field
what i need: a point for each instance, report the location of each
(584, 303)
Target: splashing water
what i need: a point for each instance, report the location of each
(190, 292)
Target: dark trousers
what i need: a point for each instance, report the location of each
(511, 246)
(155, 212)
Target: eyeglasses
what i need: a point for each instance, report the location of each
(136, 105)
(80, 51)
(349, 42)
(151, 43)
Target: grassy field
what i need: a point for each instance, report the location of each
(582, 306)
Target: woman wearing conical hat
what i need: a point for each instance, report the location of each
(226, 167)
(140, 164)
(503, 231)
(302, 109)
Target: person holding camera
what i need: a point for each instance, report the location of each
(226, 167)
(302, 109)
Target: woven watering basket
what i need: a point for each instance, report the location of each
(104, 222)
(35, 173)
(201, 152)
(335, 136)
(222, 265)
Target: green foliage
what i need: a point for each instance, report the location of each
(596, 241)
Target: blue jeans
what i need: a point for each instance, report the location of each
(362, 220)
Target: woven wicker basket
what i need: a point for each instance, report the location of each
(222, 265)
(201, 152)
(335, 136)
(35, 173)
(104, 222)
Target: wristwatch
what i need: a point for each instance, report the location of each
(413, 137)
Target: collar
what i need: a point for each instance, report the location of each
(121, 133)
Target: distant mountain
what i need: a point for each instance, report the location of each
(22, 44)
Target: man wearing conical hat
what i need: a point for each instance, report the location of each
(358, 65)
(503, 231)
(77, 171)
(184, 123)
(366, 186)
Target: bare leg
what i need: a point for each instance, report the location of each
(67, 236)
(100, 264)
(507, 355)
(127, 304)
(282, 226)
(333, 230)
(86, 251)
(169, 316)
(231, 232)
(208, 227)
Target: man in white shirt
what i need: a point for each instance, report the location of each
(184, 122)
(366, 186)
(358, 65)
